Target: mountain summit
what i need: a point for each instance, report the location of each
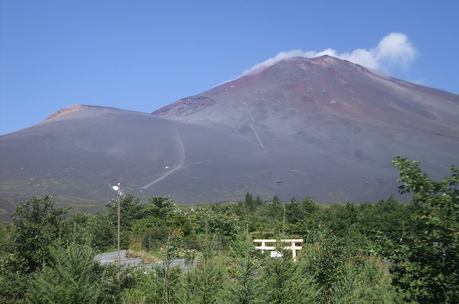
(321, 127)
(326, 88)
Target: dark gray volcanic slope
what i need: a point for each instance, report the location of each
(321, 127)
(78, 154)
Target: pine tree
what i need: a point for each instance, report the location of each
(288, 281)
(205, 283)
(70, 276)
(246, 284)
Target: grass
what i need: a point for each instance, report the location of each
(148, 257)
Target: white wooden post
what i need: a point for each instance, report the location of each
(293, 252)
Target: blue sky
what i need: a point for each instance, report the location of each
(142, 55)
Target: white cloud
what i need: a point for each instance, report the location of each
(393, 50)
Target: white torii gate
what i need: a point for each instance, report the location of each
(293, 246)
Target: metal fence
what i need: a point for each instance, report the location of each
(154, 243)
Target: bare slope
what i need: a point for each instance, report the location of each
(321, 127)
(77, 155)
(334, 125)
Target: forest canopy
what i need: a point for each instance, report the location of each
(384, 252)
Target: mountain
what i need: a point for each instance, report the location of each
(320, 127)
(324, 89)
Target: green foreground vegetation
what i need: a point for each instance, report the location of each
(387, 252)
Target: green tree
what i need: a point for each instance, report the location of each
(275, 212)
(151, 226)
(103, 234)
(160, 207)
(71, 275)
(288, 281)
(293, 212)
(326, 255)
(389, 217)
(37, 224)
(258, 201)
(302, 216)
(426, 261)
(216, 222)
(246, 284)
(365, 280)
(5, 240)
(249, 202)
(205, 283)
(131, 208)
(343, 217)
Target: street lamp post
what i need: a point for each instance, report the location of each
(119, 222)
(118, 189)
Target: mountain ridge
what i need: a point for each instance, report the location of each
(339, 98)
(321, 127)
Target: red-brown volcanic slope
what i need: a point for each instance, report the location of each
(331, 89)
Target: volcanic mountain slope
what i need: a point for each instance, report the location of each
(321, 127)
(322, 90)
(337, 123)
(79, 154)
